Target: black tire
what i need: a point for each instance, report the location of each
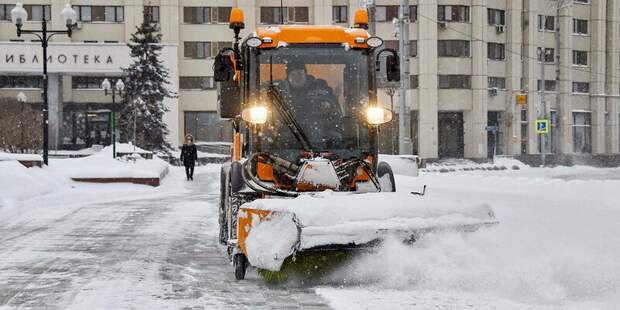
(383, 169)
(236, 179)
(240, 263)
(224, 192)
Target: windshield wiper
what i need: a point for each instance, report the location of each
(289, 119)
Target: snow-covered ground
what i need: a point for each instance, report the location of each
(557, 247)
(70, 245)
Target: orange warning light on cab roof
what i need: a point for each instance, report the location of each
(361, 19)
(236, 18)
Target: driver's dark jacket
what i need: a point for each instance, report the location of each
(314, 105)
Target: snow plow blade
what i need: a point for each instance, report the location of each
(271, 231)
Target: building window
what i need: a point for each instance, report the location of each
(110, 14)
(5, 11)
(524, 127)
(549, 55)
(90, 82)
(454, 81)
(151, 14)
(496, 51)
(581, 87)
(393, 44)
(196, 82)
(582, 132)
(580, 26)
(413, 81)
(582, 1)
(206, 15)
(546, 23)
(22, 81)
(453, 48)
(201, 50)
(290, 15)
(413, 13)
(496, 17)
(453, 13)
(580, 58)
(207, 126)
(340, 14)
(36, 12)
(550, 85)
(413, 48)
(497, 82)
(386, 13)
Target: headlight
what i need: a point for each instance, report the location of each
(378, 115)
(255, 115)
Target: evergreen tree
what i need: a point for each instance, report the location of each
(147, 79)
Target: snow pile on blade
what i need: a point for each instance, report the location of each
(330, 218)
(274, 240)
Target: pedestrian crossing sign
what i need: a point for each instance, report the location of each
(542, 126)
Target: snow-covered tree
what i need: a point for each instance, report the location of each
(146, 78)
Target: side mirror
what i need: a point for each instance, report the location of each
(392, 68)
(229, 99)
(223, 68)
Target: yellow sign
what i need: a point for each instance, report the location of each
(521, 99)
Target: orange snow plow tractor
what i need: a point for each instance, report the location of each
(305, 177)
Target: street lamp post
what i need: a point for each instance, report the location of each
(138, 102)
(21, 98)
(19, 16)
(109, 90)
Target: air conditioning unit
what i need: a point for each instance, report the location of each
(493, 91)
(442, 25)
(500, 29)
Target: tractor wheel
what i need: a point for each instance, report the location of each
(240, 263)
(386, 177)
(236, 179)
(224, 196)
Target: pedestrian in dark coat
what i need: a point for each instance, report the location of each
(189, 155)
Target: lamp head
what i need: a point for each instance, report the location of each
(19, 15)
(120, 86)
(21, 97)
(105, 85)
(69, 15)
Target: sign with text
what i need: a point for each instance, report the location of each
(20, 57)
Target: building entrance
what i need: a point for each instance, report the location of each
(451, 135)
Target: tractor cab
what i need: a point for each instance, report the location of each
(304, 96)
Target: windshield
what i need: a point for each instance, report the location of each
(325, 89)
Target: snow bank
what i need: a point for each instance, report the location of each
(271, 242)
(126, 148)
(401, 164)
(102, 165)
(509, 162)
(15, 156)
(556, 246)
(18, 182)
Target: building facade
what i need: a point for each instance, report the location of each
(469, 61)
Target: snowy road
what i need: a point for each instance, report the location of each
(144, 248)
(83, 246)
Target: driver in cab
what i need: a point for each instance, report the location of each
(313, 103)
